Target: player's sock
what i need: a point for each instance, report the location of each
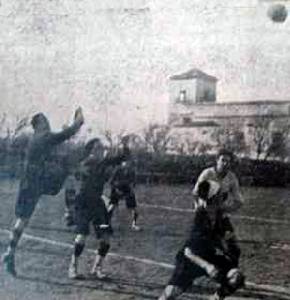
(73, 267)
(217, 296)
(135, 217)
(97, 269)
(8, 257)
(171, 292)
(134, 222)
(15, 237)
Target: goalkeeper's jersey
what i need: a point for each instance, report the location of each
(205, 235)
(93, 177)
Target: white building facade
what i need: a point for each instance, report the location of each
(196, 117)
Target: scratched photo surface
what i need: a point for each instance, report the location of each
(172, 82)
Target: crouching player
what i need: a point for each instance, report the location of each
(122, 187)
(230, 196)
(203, 252)
(90, 207)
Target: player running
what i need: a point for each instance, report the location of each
(230, 190)
(90, 207)
(33, 183)
(122, 184)
(203, 252)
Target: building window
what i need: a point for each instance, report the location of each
(186, 121)
(207, 96)
(182, 96)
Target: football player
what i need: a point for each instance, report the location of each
(122, 184)
(203, 252)
(33, 184)
(230, 192)
(90, 207)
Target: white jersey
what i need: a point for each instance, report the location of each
(229, 185)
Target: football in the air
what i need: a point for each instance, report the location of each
(278, 13)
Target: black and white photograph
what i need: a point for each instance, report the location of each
(144, 149)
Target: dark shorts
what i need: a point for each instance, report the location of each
(226, 225)
(123, 192)
(232, 248)
(70, 197)
(97, 217)
(27, 200)
(186, 272)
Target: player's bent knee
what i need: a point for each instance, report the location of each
(80, 239)
(21, 223)
(104, 248)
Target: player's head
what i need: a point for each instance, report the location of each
(40, 122)
(224, 160)
(96, 148)
(235, 280)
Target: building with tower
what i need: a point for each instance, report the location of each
(196, 117)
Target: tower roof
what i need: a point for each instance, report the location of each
(193, 73)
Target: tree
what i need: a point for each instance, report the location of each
(203, 148)
(277, 147)
(268, 141)
(230, 136)
(260, 133)
(137, 144)
(157, 138)
(113, 139)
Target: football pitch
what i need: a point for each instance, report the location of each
(140, 263)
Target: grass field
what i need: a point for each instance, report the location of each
(263, 228)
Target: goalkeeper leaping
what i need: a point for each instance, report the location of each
(33, 184)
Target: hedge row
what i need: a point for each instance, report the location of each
(173, 169)
(185, 169)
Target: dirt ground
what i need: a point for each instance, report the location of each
(135, 268)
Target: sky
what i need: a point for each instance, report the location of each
(114, 57)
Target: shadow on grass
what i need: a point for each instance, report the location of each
(32, 227)
(128, 287)
(52, 228)
(90, 284)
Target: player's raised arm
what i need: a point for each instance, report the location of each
(209, 268)
(59, 137)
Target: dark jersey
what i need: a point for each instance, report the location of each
(123, 176)
(39, 152)
(204, 236)
(93, 175)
